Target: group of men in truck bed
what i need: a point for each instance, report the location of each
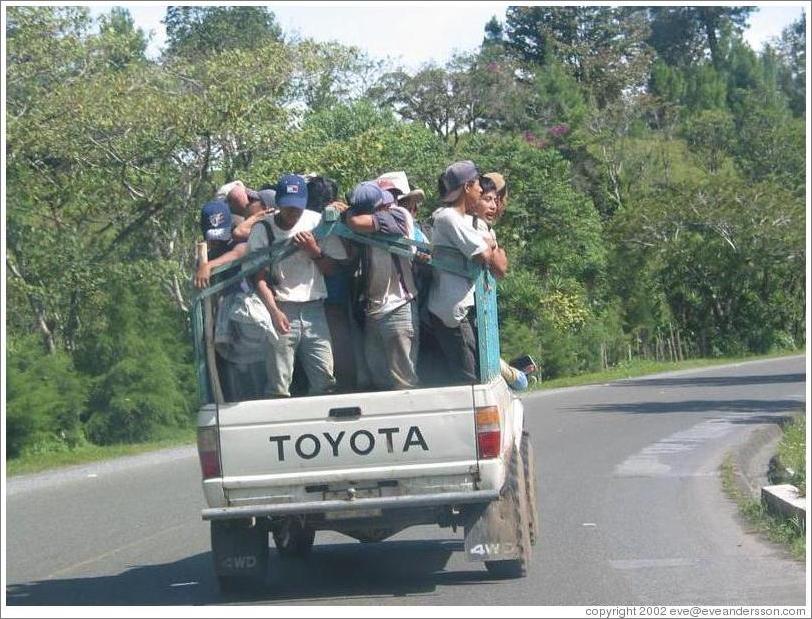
(336, 315)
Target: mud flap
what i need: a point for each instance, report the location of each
(239, 550)
(499, 531)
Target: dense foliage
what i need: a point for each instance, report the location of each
(655, 163)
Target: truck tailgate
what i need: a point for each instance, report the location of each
(376, 435)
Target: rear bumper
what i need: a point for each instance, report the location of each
(320, 507)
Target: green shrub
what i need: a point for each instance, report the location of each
(792, 451)
(45, 399)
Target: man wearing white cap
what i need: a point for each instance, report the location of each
(238, 197)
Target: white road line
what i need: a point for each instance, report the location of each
(644, 564)
(648, 461)
(109, 553)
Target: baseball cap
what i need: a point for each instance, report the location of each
(365, 197)
(215, 221)
(291, 190)
(388, 198)
(267, 197)
(455, 177)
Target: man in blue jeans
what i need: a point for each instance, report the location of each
(391, 317)
(296, 284)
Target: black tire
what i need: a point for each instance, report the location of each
(513, 568)
(515, 493)
(293, 539)
(529, 460)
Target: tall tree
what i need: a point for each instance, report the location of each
(203, 30)
(494, 32)
(791, 48)
(120, 41)
(603, 47)
(682, 35)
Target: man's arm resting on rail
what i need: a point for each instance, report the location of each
(243, 230)
(203, 274)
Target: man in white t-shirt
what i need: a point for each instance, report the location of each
(296, 284)
(451, 299)
(391, 333)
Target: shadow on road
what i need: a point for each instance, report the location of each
(714, 381)
(388, 569)
(701, 406)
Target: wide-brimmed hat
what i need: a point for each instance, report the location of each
(414, 193)
(497, 179)
(394, 180)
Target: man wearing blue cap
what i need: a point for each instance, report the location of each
(391, 325)
(226, 241)
(241, 360)
(293, 290)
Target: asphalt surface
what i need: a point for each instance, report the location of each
(630, 497)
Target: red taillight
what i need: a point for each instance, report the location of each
(207, 450)
(488, 432)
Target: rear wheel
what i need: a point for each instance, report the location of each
(529, 461)
(293, 539)
(516, 496)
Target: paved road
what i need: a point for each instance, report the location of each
(631, 508)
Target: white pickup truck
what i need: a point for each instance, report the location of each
(367, 465)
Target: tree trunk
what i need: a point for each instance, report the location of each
(48, 338)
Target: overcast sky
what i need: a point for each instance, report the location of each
(411, 33)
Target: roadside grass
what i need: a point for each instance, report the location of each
(791, 459)
(641, 367)
(38, 462)
(790, 532)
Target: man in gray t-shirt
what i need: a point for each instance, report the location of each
(451, 298)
